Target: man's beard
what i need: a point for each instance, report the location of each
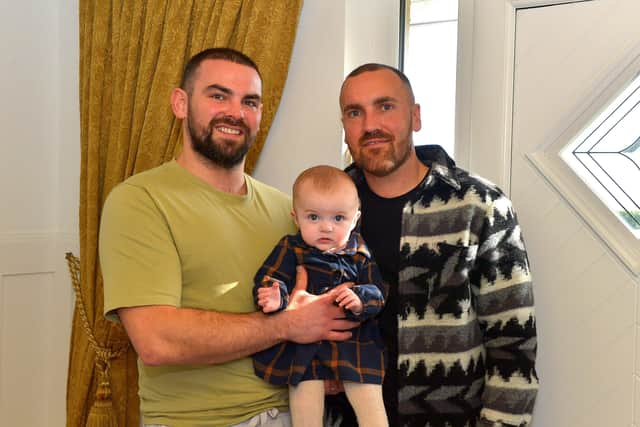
(222, 152)
(392, 159)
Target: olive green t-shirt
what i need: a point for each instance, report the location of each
(168, 238)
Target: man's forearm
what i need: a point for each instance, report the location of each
(165, 335)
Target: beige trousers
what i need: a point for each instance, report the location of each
(269, 418)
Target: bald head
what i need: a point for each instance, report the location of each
(372, 66)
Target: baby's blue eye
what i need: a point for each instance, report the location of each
(339, 218)
(313, 217)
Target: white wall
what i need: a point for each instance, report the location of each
(68, 153)
(29, 116)
(371, 33)
(306, 130)
(39, 169)
(334, 37)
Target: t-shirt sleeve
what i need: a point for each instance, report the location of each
(138, 258)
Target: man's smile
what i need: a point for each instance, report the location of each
(228, 130)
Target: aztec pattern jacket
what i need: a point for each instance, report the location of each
(466, 327)
(359, 359)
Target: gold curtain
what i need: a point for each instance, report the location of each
(131, 56)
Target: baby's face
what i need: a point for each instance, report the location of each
(326, 218)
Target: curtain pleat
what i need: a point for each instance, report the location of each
(131, 56)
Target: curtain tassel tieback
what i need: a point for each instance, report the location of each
(102, 412)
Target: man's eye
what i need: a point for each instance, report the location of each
(218, 96)
(339, 218)
(352, 114)
(251, 103)
(386, 107)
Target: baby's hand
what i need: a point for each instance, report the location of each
(348, 299)
(269, 296)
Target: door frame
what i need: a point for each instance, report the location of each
(483, 129)
(484, 114)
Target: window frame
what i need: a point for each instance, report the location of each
(594, 212)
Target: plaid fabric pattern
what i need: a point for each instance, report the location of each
(466, 326)
(359, 359)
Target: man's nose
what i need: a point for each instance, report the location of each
(235, 109)
(369, 122)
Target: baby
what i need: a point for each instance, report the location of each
(326, 210)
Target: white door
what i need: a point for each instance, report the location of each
(533, 69)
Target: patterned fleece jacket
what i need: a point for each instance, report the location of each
(466, 327)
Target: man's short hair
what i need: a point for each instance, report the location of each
(323, 178)
(372, 66)
(223, 53)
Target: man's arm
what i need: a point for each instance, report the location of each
(164, 335)
(507, 318)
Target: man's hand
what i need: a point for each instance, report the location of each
(269, 295)
(312, 318)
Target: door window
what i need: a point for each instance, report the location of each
(606, 156)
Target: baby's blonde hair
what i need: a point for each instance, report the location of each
(323, 178)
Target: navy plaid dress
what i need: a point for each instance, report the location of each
(359, 359)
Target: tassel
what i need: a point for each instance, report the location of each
(102, 413)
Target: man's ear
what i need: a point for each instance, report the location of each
(416, 120)
(179, 103)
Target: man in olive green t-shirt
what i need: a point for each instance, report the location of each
(179, 245)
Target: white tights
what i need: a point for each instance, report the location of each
(306, 402)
